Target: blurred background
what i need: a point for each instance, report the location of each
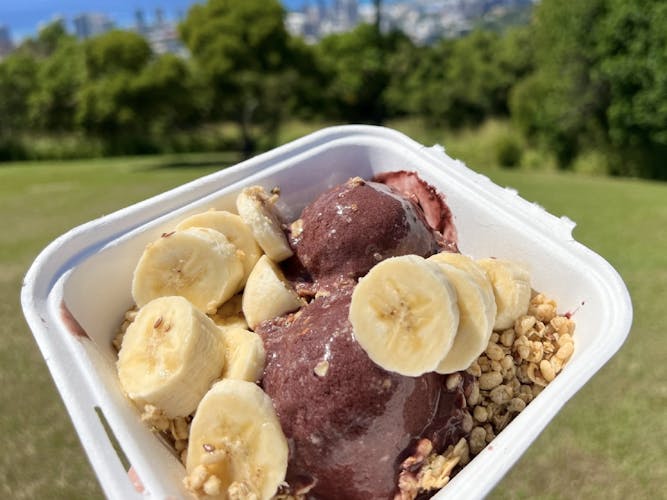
(103, 104)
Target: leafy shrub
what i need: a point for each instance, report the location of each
(509, 150)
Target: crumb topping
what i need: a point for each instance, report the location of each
(515, 367)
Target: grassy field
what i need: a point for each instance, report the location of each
(608, 442)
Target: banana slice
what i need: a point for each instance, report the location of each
(475, 271)
(234, 229)
(475, 322)
(511, 288)
(237, 443)
(244, 355)
(230, 314)
(197, 263)
(404, 314)
(257, 209)
(170, 356)
(267, 293)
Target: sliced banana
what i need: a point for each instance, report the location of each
(475, 322)
(267, 293)
(244, 355)
(258, 211)
(511, 288)
(467, 264)
(230, 314)
(475, 271)
(170, 356)
(236, 438)
(234, 229)
(404, 314)
(197, 263)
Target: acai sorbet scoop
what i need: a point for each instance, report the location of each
(353, 226)
(349, 423)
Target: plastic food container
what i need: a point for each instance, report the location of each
(78, 289)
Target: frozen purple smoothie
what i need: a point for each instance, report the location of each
(349, 423)
(353, 226)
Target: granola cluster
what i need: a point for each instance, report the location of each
(203, 483)
(175, 431)
(425, 471)
(129, 317)
(516, 366)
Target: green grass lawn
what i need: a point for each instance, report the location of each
(608, 442)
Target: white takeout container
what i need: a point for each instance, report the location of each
(76, 292)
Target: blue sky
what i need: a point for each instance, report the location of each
(23, 16)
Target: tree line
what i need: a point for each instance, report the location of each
(580, 76)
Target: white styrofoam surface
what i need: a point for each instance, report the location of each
(90, 269)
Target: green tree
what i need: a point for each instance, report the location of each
(30, 91)
(46, 41)
(132, 98)
(116, 51)
(50, 36)
(473, 77)
(632, 49)
(242, 50)
(357, 67)
(18, 82)
(515, 56)
(405, 79)
(306, 79)
(462, 81)
(167, 93)
(561, 102)
(53, 105)
(600, 81)
(109, 104)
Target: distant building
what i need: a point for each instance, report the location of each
(297, 23)
(159, 18)
(316, 19)
(140, 22)
(162, 35)
(6, 44)
(307, 23)
(343, 17)
(349, 10)
(424, 21)
(90, 24)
